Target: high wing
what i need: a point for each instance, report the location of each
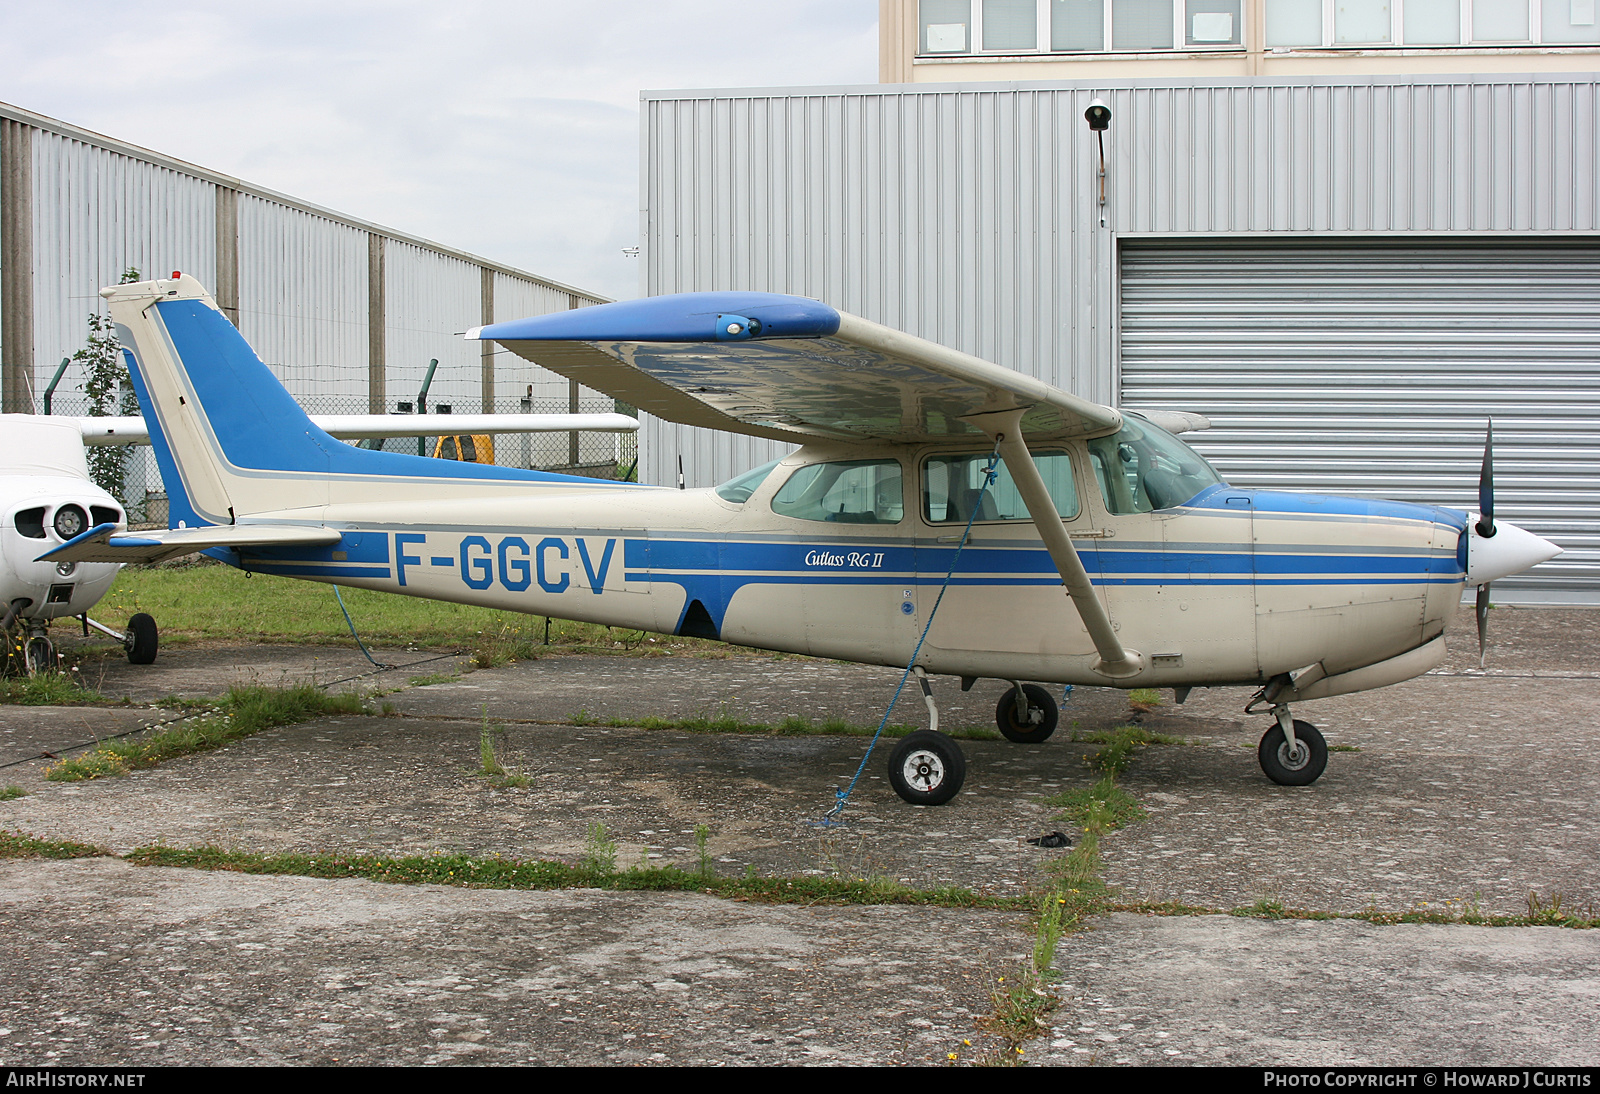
(796, 370)
(103, 543)
(788, 368)
(350, 427)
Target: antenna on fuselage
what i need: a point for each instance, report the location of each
(680, 472)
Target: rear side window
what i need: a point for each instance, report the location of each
(852, 492)
(952, 486)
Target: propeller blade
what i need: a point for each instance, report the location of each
(1486, 486)
(1482, 611)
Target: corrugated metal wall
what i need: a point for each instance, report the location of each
(98, 206)
(96, 213)
(969, 214)
(1359, 367)
(303, 302)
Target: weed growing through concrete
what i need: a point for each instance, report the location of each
(19, 845)
(504, 873)
(599, 851)
(1073, 891)
(11, 792)
(242, 712)
(490, 765)
(702, 837)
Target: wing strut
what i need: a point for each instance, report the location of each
(1005, 426)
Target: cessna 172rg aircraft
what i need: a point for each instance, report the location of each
(1102, 551)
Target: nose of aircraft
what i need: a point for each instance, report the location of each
(1510, 550)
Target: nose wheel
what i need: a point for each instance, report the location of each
(1297, 761)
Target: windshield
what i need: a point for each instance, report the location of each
(1144, 467)
(739, 489)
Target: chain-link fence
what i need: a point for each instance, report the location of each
(596, 455)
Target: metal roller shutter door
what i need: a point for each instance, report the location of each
(1369, 368)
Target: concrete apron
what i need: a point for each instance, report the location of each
(1465, 788)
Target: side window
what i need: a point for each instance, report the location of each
(953, 485)
(854, 492)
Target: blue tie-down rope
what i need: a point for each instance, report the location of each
(353, 634)
(842, 796)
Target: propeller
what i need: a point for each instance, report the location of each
(1497, 550)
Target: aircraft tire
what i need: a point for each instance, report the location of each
(40, 655)
(1005, 715)
(141, 641)
(1304, 766)
(927, 768)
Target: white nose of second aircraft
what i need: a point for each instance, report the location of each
(1509, 551)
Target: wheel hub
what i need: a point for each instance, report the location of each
(924, 770)
(1294, 758)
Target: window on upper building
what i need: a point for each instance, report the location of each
(1429, 23)
(1011, 27)
(1077, 26)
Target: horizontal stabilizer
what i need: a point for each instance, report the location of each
(352, 427)
(103, 543)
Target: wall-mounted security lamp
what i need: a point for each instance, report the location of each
(1099, 118)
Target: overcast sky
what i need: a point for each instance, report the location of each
(510, 130)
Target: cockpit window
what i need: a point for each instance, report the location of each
(853, 492)
(953, 485)
(739, 489)
(1144, 468)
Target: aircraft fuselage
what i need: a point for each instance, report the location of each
(1233, 586)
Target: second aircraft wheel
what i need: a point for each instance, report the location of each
(927, 768)
(1039, 722)
(1301, 765)
(141, 640)
(40, 655)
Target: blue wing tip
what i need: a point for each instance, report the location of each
(684, 317)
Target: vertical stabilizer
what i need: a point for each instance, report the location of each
(231, 442)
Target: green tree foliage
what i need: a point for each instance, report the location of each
(105, 383)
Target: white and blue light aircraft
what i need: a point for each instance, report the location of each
(47, 498)
(1103, 552)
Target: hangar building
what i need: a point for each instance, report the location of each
(1349, 266)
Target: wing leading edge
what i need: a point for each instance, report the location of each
(788, 368)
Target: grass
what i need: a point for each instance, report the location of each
(240, 713)
(1073, 891)
(597, 870)
(208, 600)
(19, 845)
(12, 792)
(489, 763)
(47, 689)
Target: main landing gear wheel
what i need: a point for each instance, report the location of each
(40, 655)
(1301, 765)
(1040, 720)
(141, 640)
(927, 768)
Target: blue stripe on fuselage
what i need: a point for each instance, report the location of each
(1268, 502)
